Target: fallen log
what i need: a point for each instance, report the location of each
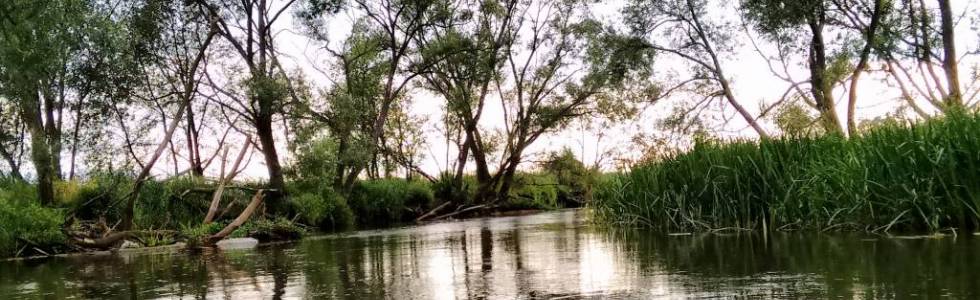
(431, 212)
(468, 209)
(224, 180)
(241, 219)
(110, 240)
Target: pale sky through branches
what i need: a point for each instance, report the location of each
(610, 144)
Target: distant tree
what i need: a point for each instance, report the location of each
(12, 140)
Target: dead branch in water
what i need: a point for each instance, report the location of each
(241, 219)
(225, 179)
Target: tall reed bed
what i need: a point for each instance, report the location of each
(921, 177)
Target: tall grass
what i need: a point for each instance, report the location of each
(922, 177)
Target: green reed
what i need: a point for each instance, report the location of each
(919, 177)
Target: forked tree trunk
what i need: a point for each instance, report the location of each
(241, 219)
(224, 180)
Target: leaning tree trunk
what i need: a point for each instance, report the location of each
(821, 87)
(129, 210)
(869, 42)
(225, 179)
(955, 97)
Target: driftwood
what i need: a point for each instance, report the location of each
(241, 219)
(112, 239)
(225, 179)
(431, 212)
(464, 210)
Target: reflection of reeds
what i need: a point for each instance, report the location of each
(919, 177)
(804, 265)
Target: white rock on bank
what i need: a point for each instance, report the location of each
(240, 243)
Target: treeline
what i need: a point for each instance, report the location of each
(165, 90)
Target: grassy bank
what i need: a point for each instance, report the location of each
(921, 177)
(173, 210)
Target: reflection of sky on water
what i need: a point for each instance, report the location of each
(546, 256)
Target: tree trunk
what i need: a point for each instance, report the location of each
(869, 42)
(52, 134)
(30, 112)
(129, 210)
(14, 167)
(193, 149)
(263, 129)
(821, 87)
(241, 219)
(955, 97)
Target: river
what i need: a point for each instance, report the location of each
(553, 255)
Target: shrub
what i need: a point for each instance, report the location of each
(100, 196)
(267, 230)
(444, 188)
(533, 191)
(180, 200)
(386, 201)
(24, 223)
(574, 179)
(323, 209)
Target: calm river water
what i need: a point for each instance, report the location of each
(556, 255)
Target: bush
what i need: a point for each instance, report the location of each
(444, 188)
(533, 191)
(101, 196)
(919, 177)
(324, 209)
(268, 230)
(24, 223)
(386, 201)
(575, 180)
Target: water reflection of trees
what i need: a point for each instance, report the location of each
(529, 257)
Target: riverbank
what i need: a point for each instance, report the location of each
(899, 177)
(171, 211)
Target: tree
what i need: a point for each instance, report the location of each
(564, 66)
(248, 27)
(955, 97)
(784, 20)
(40, 42)
(868, 22)
(924, 38)
(702, 43)
(470, 52)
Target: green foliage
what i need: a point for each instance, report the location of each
(267, 230)
(897, 177)
(388, 201)
(533, 191)
(324, 209)
(444, 189)
(196, 234)
(24, 223)
(314, 162)
(795, 120)
(575, 180)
